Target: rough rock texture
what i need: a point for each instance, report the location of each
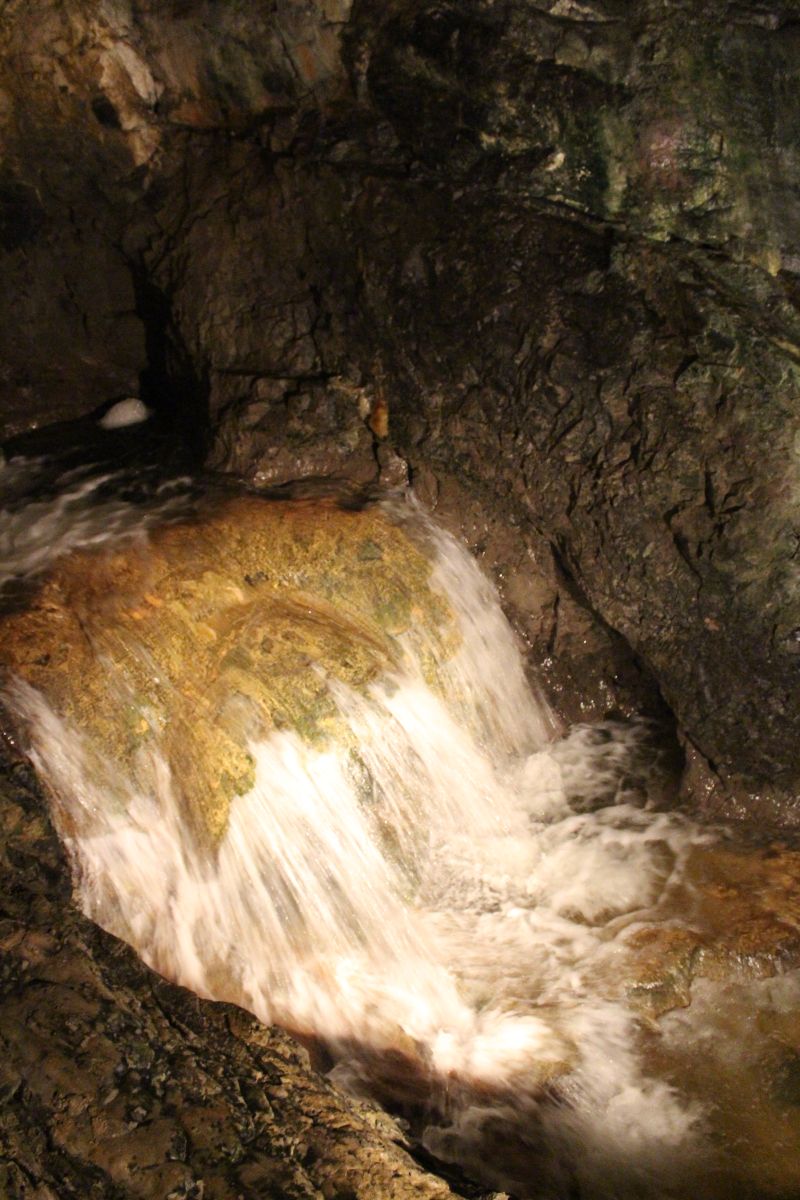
(200, 640)
(735, 916)
(116, 1084)
(97, 103)
(604, 329)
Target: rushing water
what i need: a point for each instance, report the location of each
(456, 930)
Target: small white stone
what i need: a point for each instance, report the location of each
(125, 412)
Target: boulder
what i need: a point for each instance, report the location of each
(217, 631)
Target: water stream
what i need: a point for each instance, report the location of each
(455, 908)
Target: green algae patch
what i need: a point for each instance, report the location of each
(219, 630)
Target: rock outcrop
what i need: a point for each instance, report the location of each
(219, 630)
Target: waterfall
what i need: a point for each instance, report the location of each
(445, 889)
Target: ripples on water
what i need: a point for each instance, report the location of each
(458, 943)
(46, 512)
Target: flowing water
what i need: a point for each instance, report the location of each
(455, 917)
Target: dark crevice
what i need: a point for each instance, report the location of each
(171, 384)
(105, 112)
(657, 710)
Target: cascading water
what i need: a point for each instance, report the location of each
(450, 896)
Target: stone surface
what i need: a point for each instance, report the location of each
(94, 103)
(586, 670)
(542, 257)
(593, 320)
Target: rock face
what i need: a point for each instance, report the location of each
(547, 251)
(736, 916)
(543, 257)
(598, 290)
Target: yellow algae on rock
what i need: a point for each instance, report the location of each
(218, 630)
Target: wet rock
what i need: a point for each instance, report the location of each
(638, 117)
(585, 669)
(649, 471)
(734, 916)
(613, 383)
(662, 968)
(92, 105)
(558, 246)
(280, 431)
(218, 631)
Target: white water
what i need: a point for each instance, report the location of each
(468, 905)
(45, 514)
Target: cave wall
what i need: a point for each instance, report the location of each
(557, 244)
(599, 290)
